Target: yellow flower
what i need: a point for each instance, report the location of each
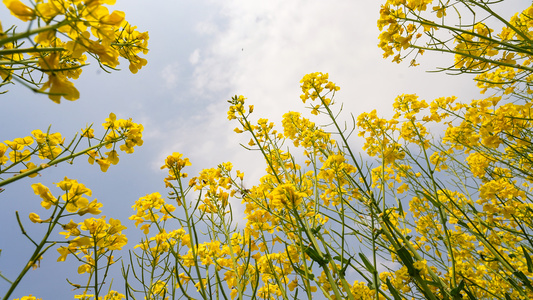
(441, 11)
(84, 296)
(49, 10)
(175, 162)
(90, 208)
(159, 288)
(88, 132)
(30, 166)
(112, 157)
(93, 154)
(74, 187)
(60, 87)
(116, 226)
(85, 268)
(36, 219)
(113, 295)
(115, 18)
(293, 285)
(421, 265)
(80, 242)
(314, 83)
(20, 10)
(72, 229)
(64, 251)
(136, 64)
(110, 123)
(3, 157)
(104, 164)
(45, 194)
(30, 297)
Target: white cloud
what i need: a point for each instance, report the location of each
(194, 57)
(170, 75)
(206, 28)
(264, 48)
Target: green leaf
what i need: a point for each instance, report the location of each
(313, 254)
(528, 260)
(470, 296)
(305, 274)
(343, 270)
(402, 213)
(512, 282)
(523, 278)
(455, 292)
(430, 282)
(342, 260)
(345, 262)
(315, 231)
(407, 260)
(393, 291)
(367, 263)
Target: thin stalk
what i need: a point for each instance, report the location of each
(51, 163)
(36, 253)
(29, 33)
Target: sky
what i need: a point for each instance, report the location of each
(201, 53)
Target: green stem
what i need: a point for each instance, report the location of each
(28, 33)
(240, 288)
(5, 278)
(95, 249)
(37, 253)
(192, 230)
(26, 50)
(51, 163)
(480, 36)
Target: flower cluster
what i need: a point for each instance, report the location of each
(89, 235)
(52, 149)
(148, 209)
(305, 133)
(92, 241)
(29, 297)
(485, 139)
(237, 107)
(396, 36)
(499, 59)
(89, 29)
(313, 86)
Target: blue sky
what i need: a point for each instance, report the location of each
(201, 53)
